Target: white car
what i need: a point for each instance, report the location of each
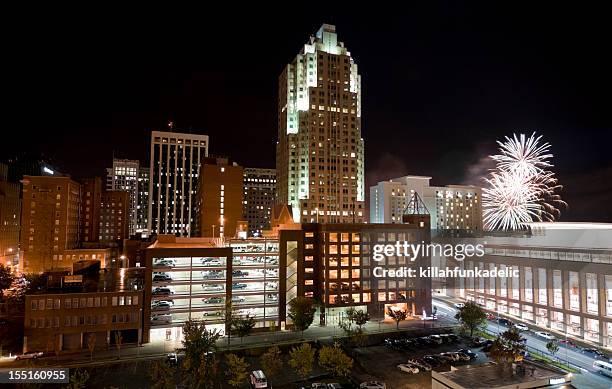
(164, 263)
(161, 319)
(521, 327)
(372, 385)
(545, 335)
(420, 365)
(459, 305)
(30, 355)
(407, 368)
(238, 299)
(212, 287)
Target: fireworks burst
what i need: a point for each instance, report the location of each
(521, 189)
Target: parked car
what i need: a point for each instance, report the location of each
(164, 263)
(161, 305)
(272, 297)
(436, 338)
(211, 262)
(238, 285)
(567, 342)
(478, 342)
(30, 355)
(212, 287)
(238, 299)
(463, 356)
(212, 313)
(521, 327)
(468, 352)
(161, 319)
(334, 385)
(453, 357)
(318, 385)
(459, 305)
(162, 291)
(487, 346)
(239, 273)
(545, 335)
(213, 300)
(422, 365)
(161, 277)
(372, 385)
(408, 368)
(594, 353)
(505, 322)
(490, 316)
(258, 379)
(211, 274)
(171, 260)
(174, 359)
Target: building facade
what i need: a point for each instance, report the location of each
(69, 321)
(114, 216)
(90, 209)
(259, 197)
(142, 209)
(50, 221)
(124, 175)
(219, 198)
(174, 167)
(564, 283)
(320, 151)
(452, 207)
(10, 214)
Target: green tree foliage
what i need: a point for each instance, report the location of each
(301, 313)
(335, 361)
(6, 278)
(272, 362)
(361, 318)
(162, 376)
(471, 317)
(301, 359)
(397, 315)
(553, 346)
(242, 326)
(78, 380)
(507, 347)
(199, 346)
(237, 370)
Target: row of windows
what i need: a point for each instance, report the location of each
(83, 302)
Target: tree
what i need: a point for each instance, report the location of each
(242, 326)
(91, 344)
(553, 346)
(237, 370)
(272, 362)
(301, 359)
(301, 313)
(118, 342)
(162, 376)
(507, 347)
(78, 380)
(471, 316)
(361, 318)
(335, 361)
(199, 346)
(6, 278)
(397, 315)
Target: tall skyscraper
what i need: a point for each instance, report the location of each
(452, 207)
(114, 207)
(142, 209)
(124, 176)
(319, 155)
(175, 165)
(259, 195)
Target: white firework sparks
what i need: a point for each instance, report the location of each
(521, 189)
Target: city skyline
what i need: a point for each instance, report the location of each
(453, 103)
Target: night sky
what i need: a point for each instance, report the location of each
(439, 86)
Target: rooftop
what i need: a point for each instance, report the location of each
(488, 375)
(173, 242)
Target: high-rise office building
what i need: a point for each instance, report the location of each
(142, 209)
(90, 209)
(114, 209)
(50, 221)
(175, 165)
(10, 210)
(259, 195)
(219, 198)
(452, 207)
(319, 156)
(124, 176)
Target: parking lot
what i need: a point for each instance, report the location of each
(380, 362)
